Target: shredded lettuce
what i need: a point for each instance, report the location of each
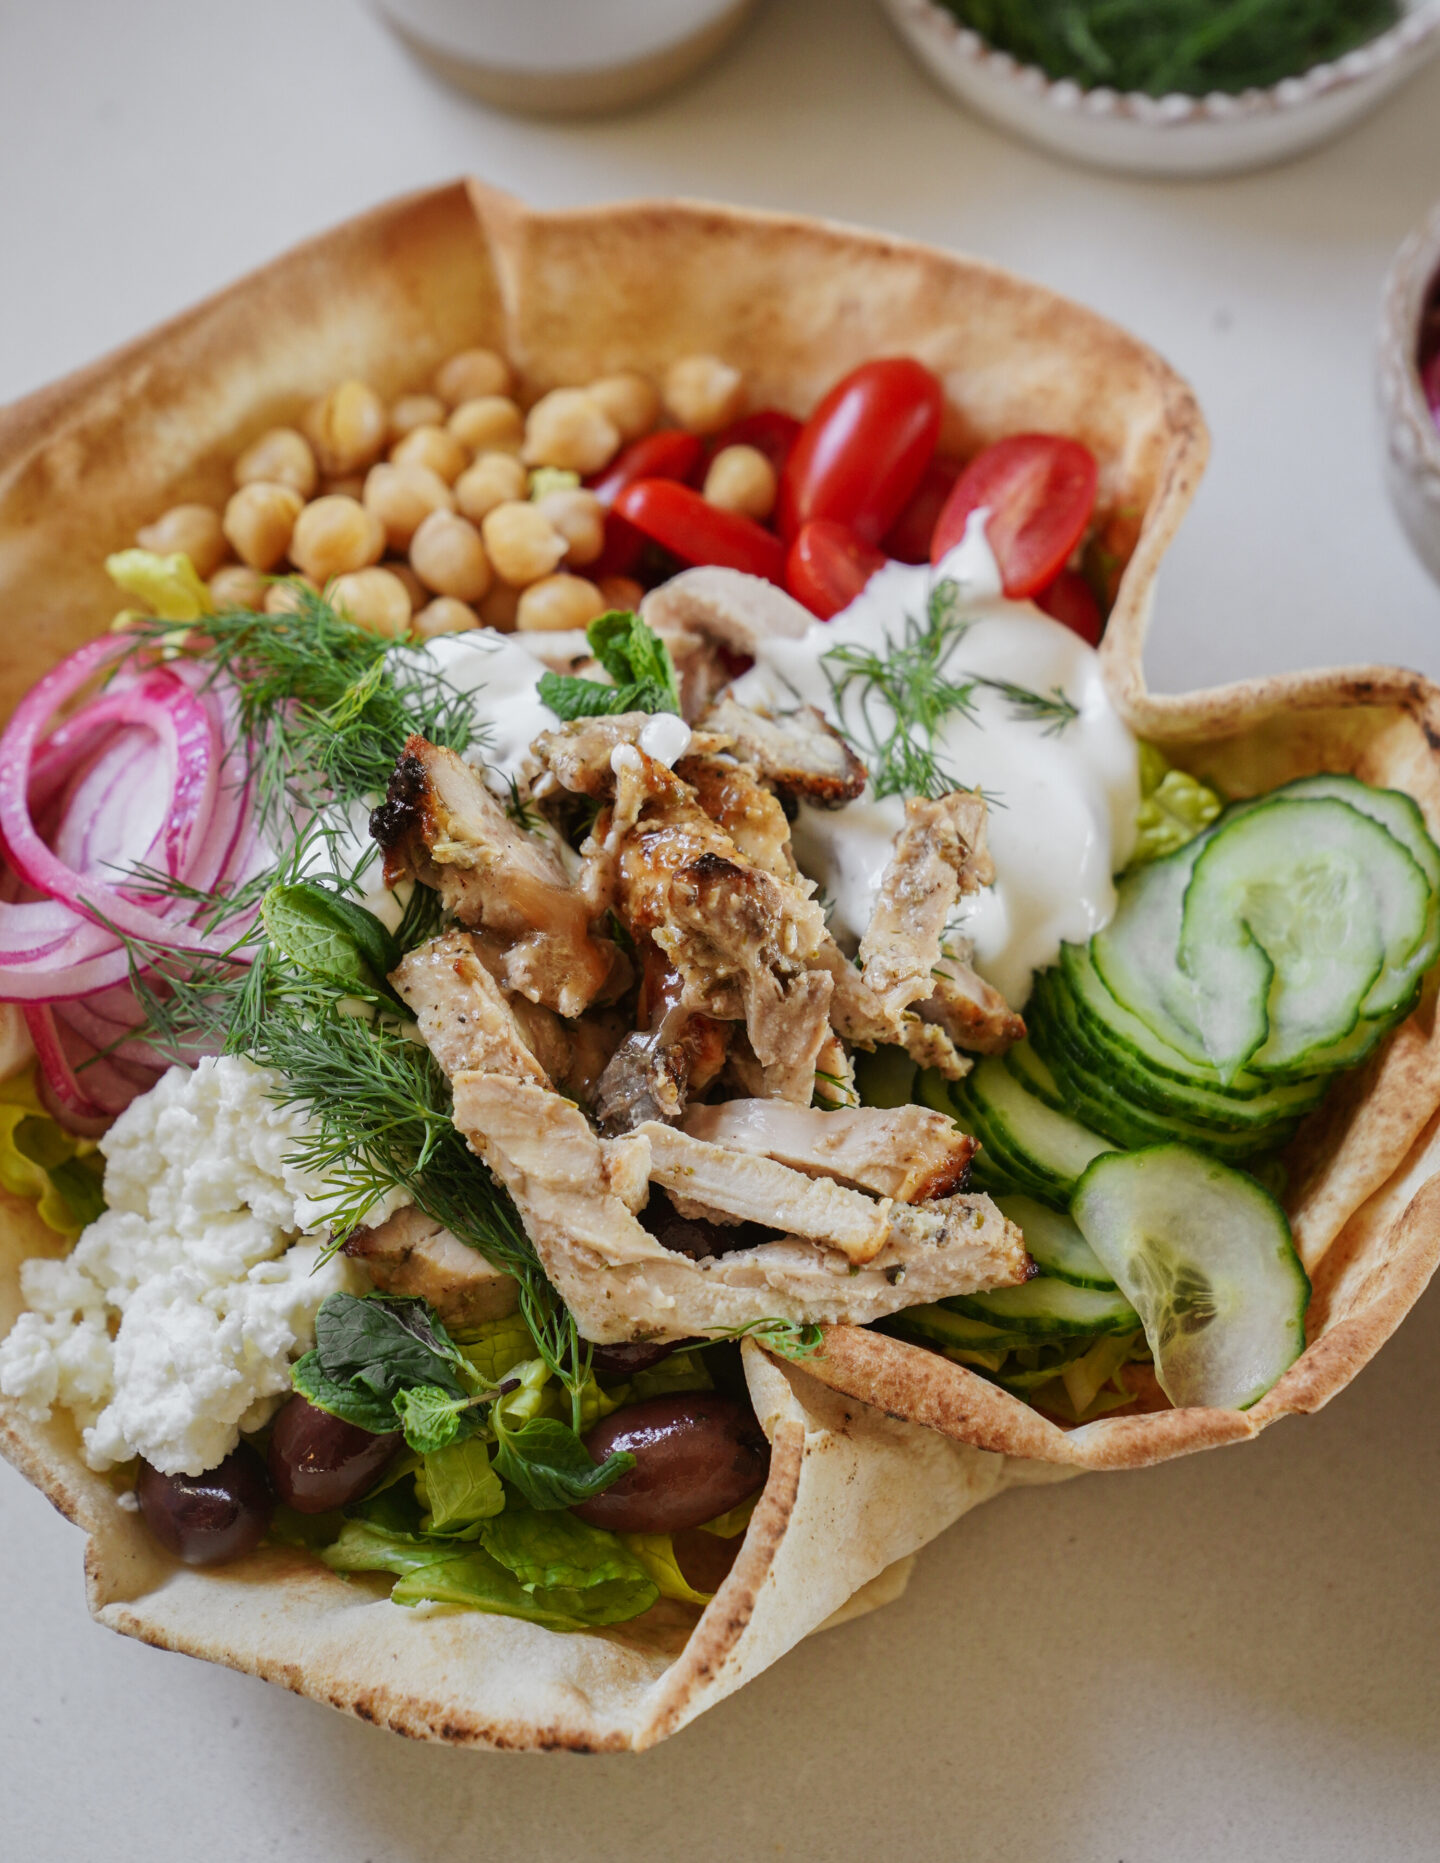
(61, 1174)
(458, 1489)
(656, 1552)
(1174, 807)
(169, 584)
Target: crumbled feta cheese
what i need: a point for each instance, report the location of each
(173, 1322)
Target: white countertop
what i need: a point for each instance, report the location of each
(1230, 1657)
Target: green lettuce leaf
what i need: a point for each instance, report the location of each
(557, 1551)
(494, 1348)
(168, 583)
(365, 1547)
(1174, 808)
(476, 1582)
(458, 1488)
(656, 1552)
(549, 1465)
(682, 1371)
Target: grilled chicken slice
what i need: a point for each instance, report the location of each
(579, 756)
(725, 1185)
(675, 1053)
(621, 1284)
(412, 1254)
(727, 607)
(464, 1016)
(739, 937)
(905, 1152)
(441, 825)
(798, 751)
(971, 1011)
(732, 795)
(939, 854)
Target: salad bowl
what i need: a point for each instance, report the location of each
(876, 1446)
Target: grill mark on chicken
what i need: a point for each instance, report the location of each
(622, 1284)
(799, 751)
(441, 825)
(412, 1254)
(905, 1152)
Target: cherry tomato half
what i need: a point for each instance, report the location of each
(908, 539)
(768, 430)
(828, 566)
(1040, 492)
(680, 520)
(667, 455)
(862, 452)
(1070, 599)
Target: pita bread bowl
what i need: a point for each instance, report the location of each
(853, 1489)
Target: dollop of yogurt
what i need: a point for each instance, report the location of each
(1064, 790)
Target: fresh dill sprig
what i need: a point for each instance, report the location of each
(322, 714)
(911, 687)
(1052, 709)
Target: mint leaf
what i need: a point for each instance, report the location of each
(550, 1466)
(352, 1403)
(433, 1418)
(327, 934)
(636, 659)
(385, 1343)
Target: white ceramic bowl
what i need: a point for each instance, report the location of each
(565, 57)
(1412, 439)
(1177, 135)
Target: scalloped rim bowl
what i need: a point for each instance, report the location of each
(1176, 135)
(1411, 433)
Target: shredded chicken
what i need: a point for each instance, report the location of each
(797, 751)
(621, 1284)
(578, 756)
(464, 1015)
(726, 606)
(939, 854)
(675, 1052)
(905, 1152)
(969, 1010)
(733, 797)
(440, 824)
(412, 1254)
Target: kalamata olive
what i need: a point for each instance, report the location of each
(623, 1361)
(318, 1462)
(211, 1518)
(697, 1455)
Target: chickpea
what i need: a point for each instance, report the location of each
(259, 520)
(567, 428)
(435, 449)
(187, 530)
(448, 557)
(238, 586)
(415, 588)
(579, 517)
(494, 479)
(335, 535)
(280, 456)
(412, 411)
(488, 424)
(283, 598)
(346, 428)
(473, 372)
(375, 599)
(621, 592)
(631, 400)
(402, 497)
(351, 486)
(498, 608)
(556, 603)
(444, 616)
(703, 393)
(522, 543)
(742, 479)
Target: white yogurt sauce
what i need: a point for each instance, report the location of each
(1063, 805)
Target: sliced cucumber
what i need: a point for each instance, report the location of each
(1207, 1259)
(1051, 1148)
(1292, 911)
(1044, 1308)
(940, 1326)
(1135, 954)
(1028, 1066)
(1056, 1244)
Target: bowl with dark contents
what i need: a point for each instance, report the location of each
(1409, 386)
(1171, 87)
